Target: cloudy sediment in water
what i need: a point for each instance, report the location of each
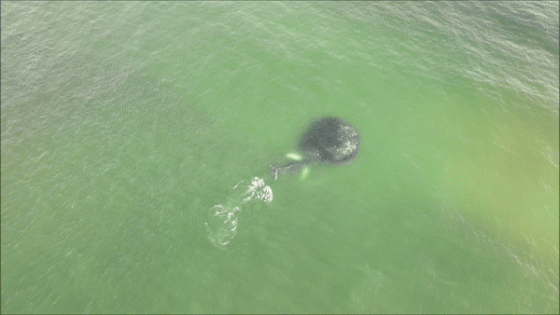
(124, 123)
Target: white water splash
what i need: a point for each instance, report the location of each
(222, 222)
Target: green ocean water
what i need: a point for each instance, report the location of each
(124, 123)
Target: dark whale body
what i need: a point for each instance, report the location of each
(329, 140)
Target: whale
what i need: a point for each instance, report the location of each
(329, 140)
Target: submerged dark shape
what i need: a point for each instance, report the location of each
(329, 140)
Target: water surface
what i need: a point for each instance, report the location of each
(123, 124)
